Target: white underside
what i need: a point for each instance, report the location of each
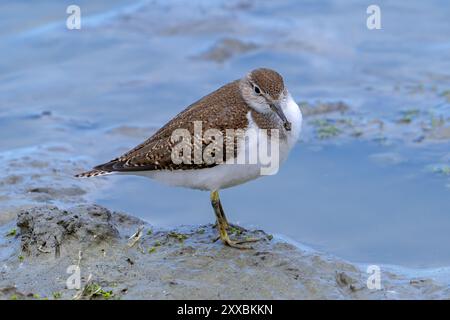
(228, 175)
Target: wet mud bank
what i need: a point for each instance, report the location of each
(118, 256)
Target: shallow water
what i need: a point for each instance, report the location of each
(138, 63)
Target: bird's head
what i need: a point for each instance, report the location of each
(263, 89)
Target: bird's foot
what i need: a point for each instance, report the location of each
(238, 244)
(233, 228)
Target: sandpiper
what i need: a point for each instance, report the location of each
(258, 101)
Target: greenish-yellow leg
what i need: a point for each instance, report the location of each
(224, 219)
(223, 225)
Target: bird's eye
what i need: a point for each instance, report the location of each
(257, 90)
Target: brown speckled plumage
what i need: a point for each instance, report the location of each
(222, 109)
(267, 122)
(269, 81)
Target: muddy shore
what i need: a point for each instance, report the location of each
(44, 245)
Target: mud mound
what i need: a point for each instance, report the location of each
(121, 257)
(47, 229)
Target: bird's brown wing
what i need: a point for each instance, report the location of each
(222, 109)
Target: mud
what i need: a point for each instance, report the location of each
(184, 263)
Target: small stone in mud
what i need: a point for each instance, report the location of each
(344, 280)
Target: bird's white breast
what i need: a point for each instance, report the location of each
(228, 175)
(294, 115)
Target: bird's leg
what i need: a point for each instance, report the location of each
(224, 219)
(222, 213)
(222, 224)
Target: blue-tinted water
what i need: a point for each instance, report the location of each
(138, 63)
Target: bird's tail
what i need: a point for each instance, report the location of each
(92, 173)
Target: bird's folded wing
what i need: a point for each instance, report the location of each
(214, 111)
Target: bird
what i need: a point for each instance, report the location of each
(257, 102)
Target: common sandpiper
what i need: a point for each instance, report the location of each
(258, 102)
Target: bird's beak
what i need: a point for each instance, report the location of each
(276, 107)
